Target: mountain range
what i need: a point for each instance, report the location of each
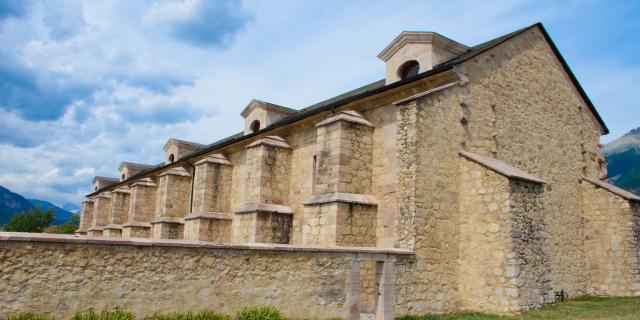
(623, 156)
(11, 203)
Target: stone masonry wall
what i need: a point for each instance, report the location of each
(612, 250)
(119, 207)
(267, 174)
(212, 188)
(86, 216)
(522, 108)
(142, 203)
(59, 279)
(429, 138)
(503, 268)
(173, 196)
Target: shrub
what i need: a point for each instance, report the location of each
(200, 315)
(116, 314)
(33, 220)
(28, 316)
(259, 313)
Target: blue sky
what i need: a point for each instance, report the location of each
(87, 84)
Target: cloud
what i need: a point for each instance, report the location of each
(13, 8)
(201, 23)
(64, 18)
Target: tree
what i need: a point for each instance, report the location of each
(34, 220)
(69, 227)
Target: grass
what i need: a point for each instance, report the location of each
(583, 308)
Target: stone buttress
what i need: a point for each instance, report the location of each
(119, 212)
(612, 239)
(210, 218)
(502, 255)
(141, 209)
(173, 198)
(101, 212)
(265, 216)
(341, 210)
(86, 217)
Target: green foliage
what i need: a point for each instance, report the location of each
(200, 315)
(116, 314)
(68, 227)
(624, 170)
(27, 316)
(33, 220)
(259, 313)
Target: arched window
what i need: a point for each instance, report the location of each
(255, 126)
(123, 176)
(408, 69)
(171, 158)
(96, 188)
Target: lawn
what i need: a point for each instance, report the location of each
(584, 308)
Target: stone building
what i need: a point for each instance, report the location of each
(480, 166)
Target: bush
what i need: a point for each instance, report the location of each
(69, 227)
(33, 220)
(28, 316)
(117, 314)
(200, 315)
(259, 313)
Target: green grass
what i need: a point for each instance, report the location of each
(583, 308)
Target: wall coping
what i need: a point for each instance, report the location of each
(342, 197)
(613, 189)
(78, 239)
(501, 167)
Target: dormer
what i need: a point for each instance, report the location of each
(412, 53)
(129, 169)
(103, 182)
(176, 149)
(259, 115)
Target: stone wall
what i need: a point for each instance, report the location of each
(503, 266)
(612, 247)
(520, 107)
(60, 275)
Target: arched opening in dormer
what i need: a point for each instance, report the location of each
(408, 69)
(95, 188)
(255, 126)
(123, 176)
(172, 158)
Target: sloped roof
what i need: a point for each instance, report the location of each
(379, 87)
(613, 189)
(500, 167)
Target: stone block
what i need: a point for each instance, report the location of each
(340, 220)
(167, 228)
(113, 230)
(213, 227)
(136, 229)
(263, 224)
(95, 232)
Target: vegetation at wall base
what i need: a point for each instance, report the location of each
(582, 308)
(34, 220)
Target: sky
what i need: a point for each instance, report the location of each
(85, 85)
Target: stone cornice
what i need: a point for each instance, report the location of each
(273, 141)
(215, 158)
(342, 197)
(137, 224)
(501, 167)
(175, 171)
(265, 207)
(209, 215)
(78, 239)
(255, 103)
(168, 220)
(421, 37)
(349, 116)
(145, 182)
(613, 189)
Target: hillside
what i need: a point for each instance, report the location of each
(623, 156)
(10, 203)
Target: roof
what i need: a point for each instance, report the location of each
(613, 189)
(183, 142)
(500, 167)
(373, 89)
(105, 179)
(134, 165)
(268, 105)
(421, 37)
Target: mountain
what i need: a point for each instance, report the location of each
(11, 203)
(623, 155)
(71, 207)
(60, 215)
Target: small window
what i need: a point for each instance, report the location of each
(96, 188)
(171, 158)
(255, 126)
(408, 69)
(123, 176)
